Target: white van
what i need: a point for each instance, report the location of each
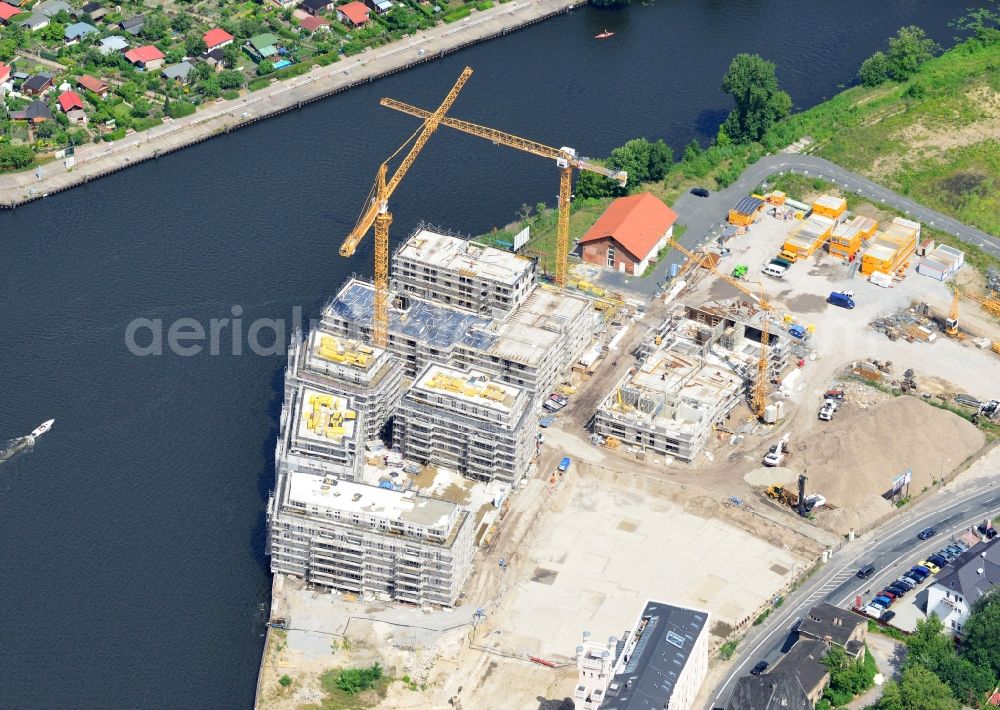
(774, 270)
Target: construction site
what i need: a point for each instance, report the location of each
(476, 464)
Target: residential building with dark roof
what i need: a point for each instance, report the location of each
(805, 663)
(836, 626)
(133, 25)
(51, 8)
(35, 112)
(661, 663)
(34, 22)
(970, 575)
(315, 7)
(38, 84)
(772, 691)
(77, 31)
(94, 9)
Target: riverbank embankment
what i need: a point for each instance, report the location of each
(96, 161)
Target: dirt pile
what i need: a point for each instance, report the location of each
(855, 460)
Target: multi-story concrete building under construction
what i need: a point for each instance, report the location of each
(366, 375)
(359, 538)
(460, 273)
(466, 421)
(691, 377)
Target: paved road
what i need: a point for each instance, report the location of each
(893, 549)
(705, 216)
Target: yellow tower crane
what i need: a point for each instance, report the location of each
(951, 325)
(566, 159)
(377, 213)
(758, 398)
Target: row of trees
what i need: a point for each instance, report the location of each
(909, 49)
(760, 103)
(935, 676)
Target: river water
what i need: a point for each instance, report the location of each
(133, 534)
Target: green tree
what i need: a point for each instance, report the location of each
(15, 157)
(752, 83)
(230, 79)
(917, 689)
(354, 680)
(195, 45)
(593, 185)
(910, 48)
(54, 31)
(875, 70)
(181, 22)
(8, 47)
(968, 682)
(982, 632)
(231, 55)
(642, 160)
(927, 645)
(154, 27)
(265, 67)
(209, 88)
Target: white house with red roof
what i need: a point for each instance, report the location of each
(217, 39)
(631, 231)
(6, 80)
(69, 100)
(353, 14)
(147, 57)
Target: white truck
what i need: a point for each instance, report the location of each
(827, 411)
(776, 454)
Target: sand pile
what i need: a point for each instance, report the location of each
(855, 458)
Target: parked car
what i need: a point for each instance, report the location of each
(919, 574)
(922, 569)
(929, 565)
(883, 600)
(844, 300)
(915, 581)
(797, 331)
(947, 553)
(879, 603)
(778, 261)
(886, 593)
(564, 464)
(960, 545)
(897, 590)
(988, 532)
(700, 192)
(559, 398)
(759, 667)
(938, 560)
(927, 533)
(887, 616)
(906, 584)
(956, 549)
(827, 410)
(835, 394)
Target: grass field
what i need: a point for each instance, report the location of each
(935, 137)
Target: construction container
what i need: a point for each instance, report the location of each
(925, 247)
(776, 197)
(829, 206)
(846, 239)
(809, 236)
(745, 212)
(891, 248)
(942, 263)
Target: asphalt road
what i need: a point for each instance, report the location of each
(705, 216)
(893, 549)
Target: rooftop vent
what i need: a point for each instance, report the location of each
(675, 639)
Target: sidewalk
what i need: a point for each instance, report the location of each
(95, 161)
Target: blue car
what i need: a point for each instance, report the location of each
(844, 300)
(926, 533)
(883, 601)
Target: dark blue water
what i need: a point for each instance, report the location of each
(133, 571)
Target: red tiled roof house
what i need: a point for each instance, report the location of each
(313, 23)
(630, 232)
(148, 57)
(69, 100)
(5, 80)
(92, 83)
(353, 14)
(8, 11)
(217, 39)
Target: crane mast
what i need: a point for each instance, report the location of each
(377, 212)
(566, 160)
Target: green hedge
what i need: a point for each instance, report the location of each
(258, 84)
(457, 15)
(180, 109)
